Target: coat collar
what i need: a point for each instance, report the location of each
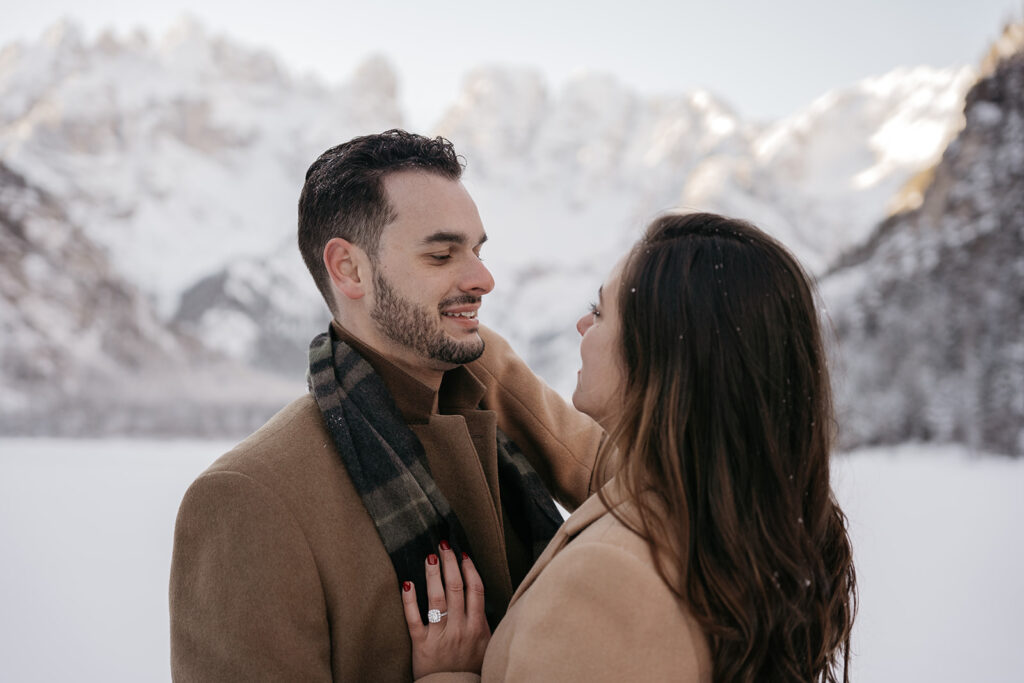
(460, 390)
(592, 509)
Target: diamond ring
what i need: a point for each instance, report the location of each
(434, 615)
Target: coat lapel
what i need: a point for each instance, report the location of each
(586, 514)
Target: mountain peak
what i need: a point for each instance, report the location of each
(376, 73)
(1009, 42)
(187, 28)
(64, 34)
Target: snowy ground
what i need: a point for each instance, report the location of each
(85, 535)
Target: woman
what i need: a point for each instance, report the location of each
(717, 552)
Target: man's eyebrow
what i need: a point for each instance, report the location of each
(450, 237)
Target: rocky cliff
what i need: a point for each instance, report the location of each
(930, 311)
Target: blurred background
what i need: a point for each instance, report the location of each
(154, 308)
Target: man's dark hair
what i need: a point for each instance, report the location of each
(343, 195)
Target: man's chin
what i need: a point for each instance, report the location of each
(461, 351)
(461, 334)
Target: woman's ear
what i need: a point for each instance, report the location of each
(348, 267)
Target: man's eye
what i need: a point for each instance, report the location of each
(440, 257)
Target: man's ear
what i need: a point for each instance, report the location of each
(348, 267)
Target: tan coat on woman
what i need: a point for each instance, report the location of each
(594, 608)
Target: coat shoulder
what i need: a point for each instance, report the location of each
(290, 443)
(610, 552)
(293, 458)
(603, 588)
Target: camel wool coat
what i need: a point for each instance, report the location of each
(594, 609)
(278, 573)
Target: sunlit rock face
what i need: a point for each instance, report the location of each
(930, 312)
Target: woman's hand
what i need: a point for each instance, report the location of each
(458, 640)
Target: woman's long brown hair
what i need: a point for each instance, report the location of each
(728, 421)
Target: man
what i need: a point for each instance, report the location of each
(422, 429)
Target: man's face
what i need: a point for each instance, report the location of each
(428, 278)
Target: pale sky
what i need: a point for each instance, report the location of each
(766, 59)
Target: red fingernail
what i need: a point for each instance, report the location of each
(406, 586)
(445, 546)
(431, 559)
(465, 556)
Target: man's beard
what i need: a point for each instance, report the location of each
(415, 328)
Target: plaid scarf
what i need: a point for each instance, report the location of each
(388, 466)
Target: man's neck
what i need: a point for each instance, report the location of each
(429, 377)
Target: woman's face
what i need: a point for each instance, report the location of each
(601, 378)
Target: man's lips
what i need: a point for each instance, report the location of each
(463, 312)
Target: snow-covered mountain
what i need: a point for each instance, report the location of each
(263, 312)
(181, 158)
(566, 180)
(176, 155)
(930, 311)
(82, 352)
(820, 179)
(65, 315)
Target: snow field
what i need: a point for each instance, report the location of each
(86, 530)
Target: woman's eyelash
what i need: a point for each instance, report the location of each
(593, 309)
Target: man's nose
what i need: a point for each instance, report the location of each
(477, 278)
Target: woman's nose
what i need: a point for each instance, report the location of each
(584, 323)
